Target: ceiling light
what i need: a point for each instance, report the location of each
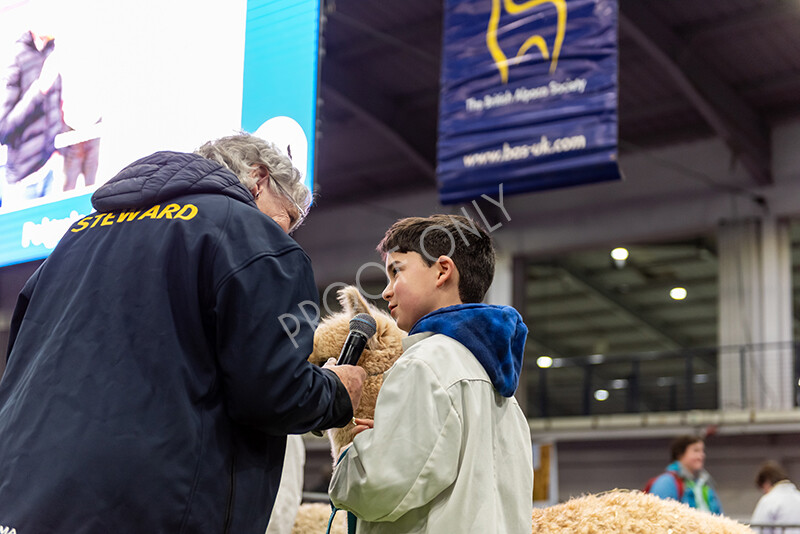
(601, 395)
(596, 358)
(544, 362)
(619, 254)
(619, 383)
(677, 293)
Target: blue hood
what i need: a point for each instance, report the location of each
(494, 334)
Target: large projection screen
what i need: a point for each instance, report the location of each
(126, 79)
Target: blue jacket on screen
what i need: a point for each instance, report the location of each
(29, 119)
(151, 381)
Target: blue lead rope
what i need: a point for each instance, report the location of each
(351, 518)
(351, 521)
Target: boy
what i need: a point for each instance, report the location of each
(449, 449)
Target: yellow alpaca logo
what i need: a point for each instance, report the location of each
(500, 58)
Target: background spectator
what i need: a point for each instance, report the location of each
(780, 504)
(685, 479)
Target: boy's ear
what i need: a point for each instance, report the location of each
(446, 270)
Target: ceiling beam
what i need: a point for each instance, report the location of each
(584, 331)
(370, 167)
(351, 92)
(694, 302)
(535, 314)
(672, 339)
(759, 15)
(546, 346)
(774, 85)
(730, 116)
(368, 41)
(653, 111)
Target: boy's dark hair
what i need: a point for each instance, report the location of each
(681, 443)
(770, 472)
(460, 238)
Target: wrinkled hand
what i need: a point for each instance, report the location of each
(351, 376)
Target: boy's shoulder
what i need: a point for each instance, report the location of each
(447, 358)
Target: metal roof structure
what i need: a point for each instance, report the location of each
(722, 70)
(726, 71)
(688, 70)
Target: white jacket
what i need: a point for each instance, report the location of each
(447, 453)
(781, 506)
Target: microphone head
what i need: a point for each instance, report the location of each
(364, 323)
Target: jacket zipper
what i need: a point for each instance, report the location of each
(231, 495)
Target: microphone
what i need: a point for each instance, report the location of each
(362, 327)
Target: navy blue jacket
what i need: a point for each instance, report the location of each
(150, 381)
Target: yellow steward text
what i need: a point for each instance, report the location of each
(170, 211)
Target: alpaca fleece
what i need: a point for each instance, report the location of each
(629, 512)
(312, 518)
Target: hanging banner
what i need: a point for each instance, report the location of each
(529, 96)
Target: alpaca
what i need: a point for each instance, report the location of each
(380, 353)
(629, 512)
(618, 511)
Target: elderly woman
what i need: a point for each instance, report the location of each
(150, 382)
(261, 168)
(685, 480)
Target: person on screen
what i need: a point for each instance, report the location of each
(449, 449)
(30, 117)
(150, 382)
(81, 159)
(82, 101)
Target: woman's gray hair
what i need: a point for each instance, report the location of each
(241, 152)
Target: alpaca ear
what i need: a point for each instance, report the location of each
(352, 302)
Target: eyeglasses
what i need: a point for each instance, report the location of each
(297, 220)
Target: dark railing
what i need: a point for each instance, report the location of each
(635, 383)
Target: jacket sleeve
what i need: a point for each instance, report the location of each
(17, 105)
(264, 319)
(20, 310)
(410, 456)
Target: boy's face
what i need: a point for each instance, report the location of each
(411, 291)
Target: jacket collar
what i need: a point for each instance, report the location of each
(162, 176)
